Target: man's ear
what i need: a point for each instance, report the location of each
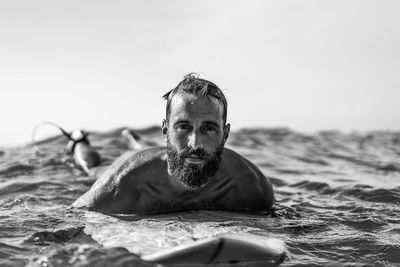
(164, 129)
(227, 129)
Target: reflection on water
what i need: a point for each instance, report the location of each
(337, 194)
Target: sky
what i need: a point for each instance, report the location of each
(97, 65)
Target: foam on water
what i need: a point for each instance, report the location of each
(148, 235)
(337, 194)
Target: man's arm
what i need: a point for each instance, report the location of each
(108, 194)
(256, 191)
(263, 187)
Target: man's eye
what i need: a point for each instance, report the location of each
(184, 127)
(208, 128)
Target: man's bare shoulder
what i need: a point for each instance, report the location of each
(111, 183)
(134, 159)
(252, 185)
(236, 162)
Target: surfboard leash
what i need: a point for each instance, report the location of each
(64, 132)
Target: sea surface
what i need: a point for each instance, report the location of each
(338, 202)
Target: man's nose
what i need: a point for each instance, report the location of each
(195, 140)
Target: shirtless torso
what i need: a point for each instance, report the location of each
(139, 183)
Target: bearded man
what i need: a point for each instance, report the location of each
(194, 171)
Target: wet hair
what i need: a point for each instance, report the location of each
(192, 84)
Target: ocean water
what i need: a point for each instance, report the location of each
(338, 202)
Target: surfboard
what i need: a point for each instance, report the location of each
(226, 250)
(222, 238)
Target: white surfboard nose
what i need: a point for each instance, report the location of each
(241, 249)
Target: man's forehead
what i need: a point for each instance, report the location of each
(201, 105)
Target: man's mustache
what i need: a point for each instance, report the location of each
(199, 152)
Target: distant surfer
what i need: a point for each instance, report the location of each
(78, 147)
(193, 172)
(83, 154)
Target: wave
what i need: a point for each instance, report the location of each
(382, 195)
(43, 238)
(14, 169)
(91, 256)
(314, 186)
(359, 191)
(12, 188)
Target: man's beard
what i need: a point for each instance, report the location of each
(193, 176)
